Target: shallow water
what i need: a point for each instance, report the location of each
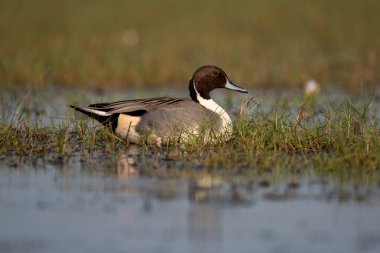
(50, 105)
(117, 203)
(138, 201)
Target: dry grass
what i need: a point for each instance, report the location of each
(267, 43)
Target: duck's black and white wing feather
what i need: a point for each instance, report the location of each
(135, 107)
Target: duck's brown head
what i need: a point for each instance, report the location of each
(207, 78)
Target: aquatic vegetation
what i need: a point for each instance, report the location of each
(335, 137)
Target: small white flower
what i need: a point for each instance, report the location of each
(311, 88)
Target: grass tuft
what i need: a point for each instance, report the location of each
(343, 136)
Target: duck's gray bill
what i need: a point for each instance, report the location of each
(231, 86)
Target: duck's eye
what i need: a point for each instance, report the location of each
(216, 73)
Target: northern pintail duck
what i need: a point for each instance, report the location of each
(165, 119)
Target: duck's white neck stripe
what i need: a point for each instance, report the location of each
(210, 104)
(213, 106)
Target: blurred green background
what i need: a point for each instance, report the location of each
(275, 43)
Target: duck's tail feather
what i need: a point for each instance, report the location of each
(106, 119)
